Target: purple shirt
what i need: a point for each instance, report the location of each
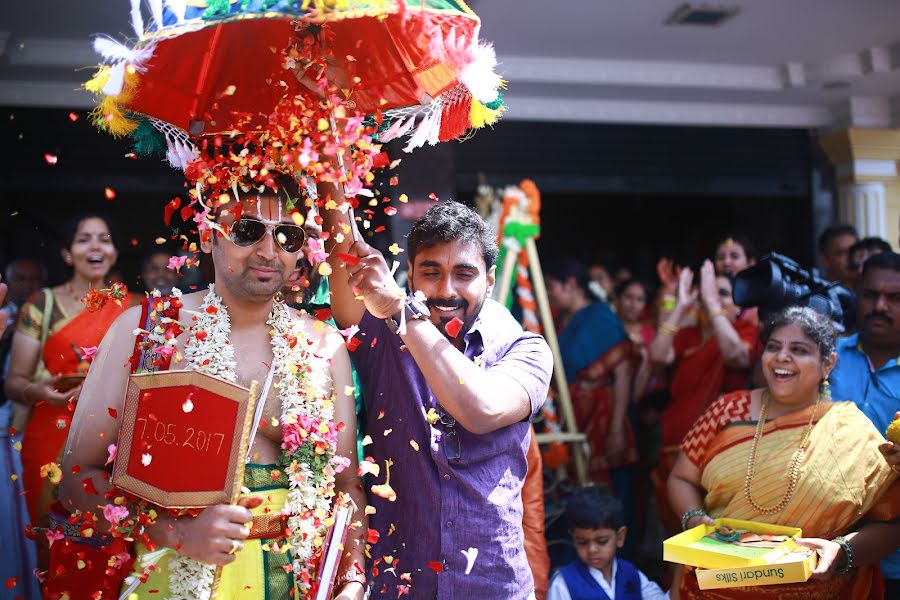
(444, 506)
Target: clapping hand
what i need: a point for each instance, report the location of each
(709, 292)
(668, 275)
(687, 296)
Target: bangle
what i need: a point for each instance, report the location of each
(667, 303)
(717, 313)
(848, 552)
(351, 575)
(666, 328)
(694, 512)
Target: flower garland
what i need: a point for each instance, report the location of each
(208, 348)
(309, 437)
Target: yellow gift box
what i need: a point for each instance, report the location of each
(724, 565)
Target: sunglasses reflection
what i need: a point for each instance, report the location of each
(248, 232)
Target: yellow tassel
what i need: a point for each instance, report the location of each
(109, 115)
(480, 115)
(99, 80)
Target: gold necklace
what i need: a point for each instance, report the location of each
(71, 289)
(794, 472)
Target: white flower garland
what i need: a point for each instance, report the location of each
(208, 348)
(304, 392)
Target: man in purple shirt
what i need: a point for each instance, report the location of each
(449, 398)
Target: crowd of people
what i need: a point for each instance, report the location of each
(703, 375)
(693, 408)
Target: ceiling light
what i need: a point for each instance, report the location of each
(704, 15)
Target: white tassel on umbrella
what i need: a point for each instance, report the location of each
(156, 8)
(479, 76)
(137, 20)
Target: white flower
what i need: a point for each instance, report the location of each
(303, 385)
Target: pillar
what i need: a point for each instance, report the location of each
(866, 168)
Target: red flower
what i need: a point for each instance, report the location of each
(94, 300)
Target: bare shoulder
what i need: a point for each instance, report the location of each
(192, 301)
(325, 338)
(127, 322)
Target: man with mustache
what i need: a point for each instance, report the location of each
(451, 382)
(868, 366)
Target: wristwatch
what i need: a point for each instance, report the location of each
(414, 310)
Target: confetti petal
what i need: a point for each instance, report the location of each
(347, 259)
(88, 485)
(453, 327)
(471, 554)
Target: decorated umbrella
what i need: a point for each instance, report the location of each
(200, 68)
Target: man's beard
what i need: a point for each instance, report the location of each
(468, 317)
(253, 287)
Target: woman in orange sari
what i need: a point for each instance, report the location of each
(786, 454)
(709, 359)
(48, 376)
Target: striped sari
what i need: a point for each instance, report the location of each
(843, 479)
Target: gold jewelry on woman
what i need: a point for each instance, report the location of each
(235, 546)
(71, 289)
(825, 390)
(665, 328)
(794, 472)
(718, 313)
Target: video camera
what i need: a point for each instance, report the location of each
(777, 282)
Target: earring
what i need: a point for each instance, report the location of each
(825, 390)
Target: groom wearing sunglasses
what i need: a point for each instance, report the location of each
(255, 245)
(451, 383)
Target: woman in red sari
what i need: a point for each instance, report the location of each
(48, 376)
(709, 359)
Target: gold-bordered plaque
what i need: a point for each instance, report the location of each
(183, 439)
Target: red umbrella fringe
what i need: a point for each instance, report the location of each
(455, 119)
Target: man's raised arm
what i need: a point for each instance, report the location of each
(345, 307)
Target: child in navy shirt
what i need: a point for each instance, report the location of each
(597, 526)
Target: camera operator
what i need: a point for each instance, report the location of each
(868, 366)
(709, 359)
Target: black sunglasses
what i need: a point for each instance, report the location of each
(247, 232)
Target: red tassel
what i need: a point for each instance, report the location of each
(455, 119)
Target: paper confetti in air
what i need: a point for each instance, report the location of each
(471, 554)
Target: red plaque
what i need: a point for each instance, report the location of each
(183, 439)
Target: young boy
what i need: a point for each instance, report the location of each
(597, 525)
